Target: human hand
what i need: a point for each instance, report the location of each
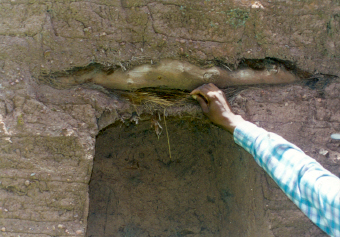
(216, 107)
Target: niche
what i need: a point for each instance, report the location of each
(208, 186)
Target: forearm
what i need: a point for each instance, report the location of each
(230, 122)
(311, 187)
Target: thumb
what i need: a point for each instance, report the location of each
(203, 104)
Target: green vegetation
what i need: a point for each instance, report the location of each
(237, 17)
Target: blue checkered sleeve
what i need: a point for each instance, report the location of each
(311, 187)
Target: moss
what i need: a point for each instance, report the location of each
(237, 17)
(332, 25)
(260, 38)
(20, 120)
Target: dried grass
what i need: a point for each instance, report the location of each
(163, 98)
(157, 97)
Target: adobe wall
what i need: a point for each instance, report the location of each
(48, 136)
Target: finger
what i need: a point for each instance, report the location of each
(203, 104)
(212, 87)
(202, 91)
(196, 91)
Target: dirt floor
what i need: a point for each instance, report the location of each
(209, 186)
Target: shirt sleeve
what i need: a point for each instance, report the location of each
(315, 190)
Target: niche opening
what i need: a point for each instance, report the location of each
(209, 186)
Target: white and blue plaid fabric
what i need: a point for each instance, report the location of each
(315, 190)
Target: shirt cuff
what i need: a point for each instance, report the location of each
(246, 133)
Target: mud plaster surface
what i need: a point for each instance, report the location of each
(54, 36)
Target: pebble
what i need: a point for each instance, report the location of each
(335, 136)
(323, 152)
(27, 182)
(61, 226)
(3, 229)
(79, 232)
(257, 5)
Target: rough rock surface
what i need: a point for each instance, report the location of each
(48, 136)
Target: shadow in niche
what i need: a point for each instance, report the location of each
(205, 189)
